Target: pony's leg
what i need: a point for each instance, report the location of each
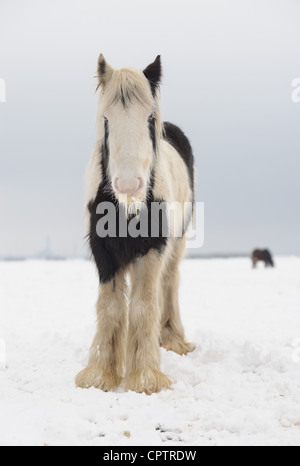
(143, 352)
(107, 354)
(172, 333)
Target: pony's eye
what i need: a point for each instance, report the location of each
(105, 119)
(151, 117)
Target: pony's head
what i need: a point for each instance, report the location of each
(129, 126)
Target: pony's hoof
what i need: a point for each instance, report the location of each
(96, 377)
(179, 347)
(149, 382)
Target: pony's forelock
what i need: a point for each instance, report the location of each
(128, 87)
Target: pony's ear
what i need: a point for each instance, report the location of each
(104, 71)
(153, 73)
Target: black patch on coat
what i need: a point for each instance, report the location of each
(114, 253)
(176, 137)
(153, 73)
(104, 150)
(153, 136)
(152, 131)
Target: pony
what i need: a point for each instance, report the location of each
(263, 256)
(145, 161)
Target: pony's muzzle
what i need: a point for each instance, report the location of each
(128, 186)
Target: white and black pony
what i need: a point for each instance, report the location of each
(139, 159)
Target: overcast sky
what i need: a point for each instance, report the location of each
(228, 69)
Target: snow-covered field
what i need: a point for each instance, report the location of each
(241, 386)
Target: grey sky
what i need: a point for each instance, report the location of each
(228, 69)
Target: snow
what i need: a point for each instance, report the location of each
(241, 386)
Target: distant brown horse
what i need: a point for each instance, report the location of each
(263, 256)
